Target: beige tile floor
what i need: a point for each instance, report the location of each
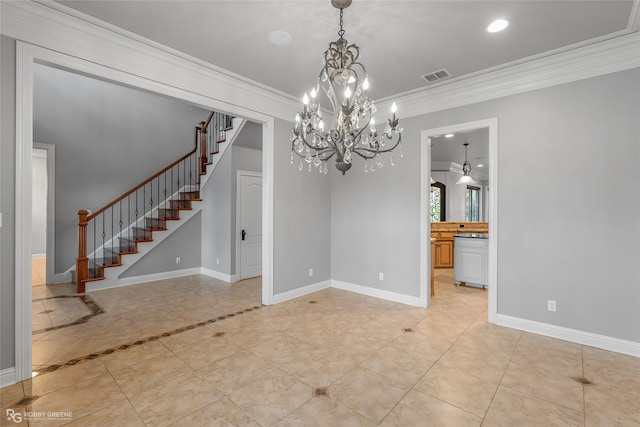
(38, 271)
(332, 358)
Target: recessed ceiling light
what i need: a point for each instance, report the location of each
(480, 166)
(498, 25)
(449, 135)
(280, 38)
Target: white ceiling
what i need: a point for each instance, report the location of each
(447, 150)
(399, 40)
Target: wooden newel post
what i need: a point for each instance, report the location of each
(82, 265)
(203, 148)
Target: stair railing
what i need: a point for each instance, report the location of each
(116, 228)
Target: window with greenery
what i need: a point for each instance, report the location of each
(437, 203)
(472, 203)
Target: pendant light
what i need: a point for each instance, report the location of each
(466, 169)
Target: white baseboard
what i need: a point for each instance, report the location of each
(229, 278)
(38, 256)
(7, 377)
(377, 293)
(62, 278)
(99, 285)
(586, 338)
(297, 293)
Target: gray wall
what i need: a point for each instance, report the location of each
(302, 211)
(219, 198)
(108, 138)
(7, 200)
(39, 202)
(567, 215)
(183, 243)
(216, 217)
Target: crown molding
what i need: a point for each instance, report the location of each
(57, 27)
(598, 59)
(53, 26)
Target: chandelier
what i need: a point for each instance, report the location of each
(344, 81)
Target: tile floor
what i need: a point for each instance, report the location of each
(38, 271)
(332, 358)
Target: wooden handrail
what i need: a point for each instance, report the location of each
(148, 180)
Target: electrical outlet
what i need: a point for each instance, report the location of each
(178, 260)
(310, 272)
(380, 276)
(551, 306)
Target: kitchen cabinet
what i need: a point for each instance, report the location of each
(443, 254)
(471, 259)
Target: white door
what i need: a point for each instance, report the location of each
(250, 205)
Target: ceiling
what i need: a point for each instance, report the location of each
(447, 150)
(399, 40)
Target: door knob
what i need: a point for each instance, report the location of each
(244, 233)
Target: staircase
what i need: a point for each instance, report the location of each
(117, 235)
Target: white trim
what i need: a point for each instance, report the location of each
(581, 337)
(268, 173)
(598, 59)
(240, 173)
(8, 377)
(218, 275)
(24, 146)
(51, 209)
(377, 293)
(197, 88)
(34, 256)
(425, 224)
(300, 292)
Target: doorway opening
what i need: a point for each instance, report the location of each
(443, 168)
(42, 214)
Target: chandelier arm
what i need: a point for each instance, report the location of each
(376, 152)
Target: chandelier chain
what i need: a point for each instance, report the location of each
(341, 32)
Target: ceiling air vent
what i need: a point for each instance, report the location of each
(436, 76)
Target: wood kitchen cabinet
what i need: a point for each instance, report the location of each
(443, 232)
(444, 254)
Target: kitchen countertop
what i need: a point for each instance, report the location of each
(472, 235)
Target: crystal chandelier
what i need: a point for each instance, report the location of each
(344, 81)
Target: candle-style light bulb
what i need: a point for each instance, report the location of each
(347, 92)
(394, 108)
(321, 125)
(313, 92)
(365, 84)
(297, 118)
(305, 99)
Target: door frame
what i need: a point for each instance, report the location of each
(425, 224)
(26, 56)
(51, 209)
(240, 173)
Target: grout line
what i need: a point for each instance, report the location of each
(126, 346)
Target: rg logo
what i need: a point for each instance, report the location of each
(14, 416)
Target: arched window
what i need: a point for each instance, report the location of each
(437, 207)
